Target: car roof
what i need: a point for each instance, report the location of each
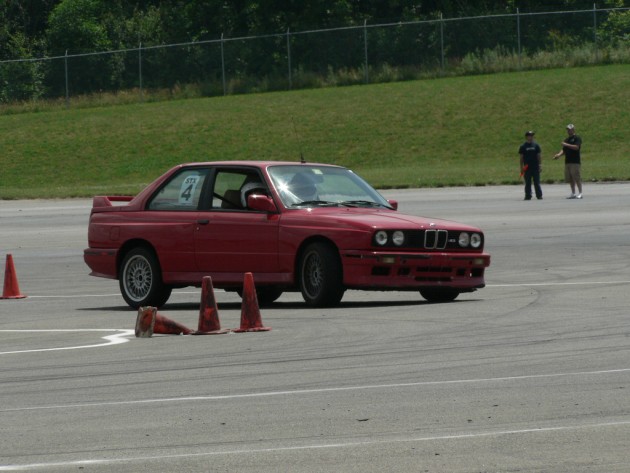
(252, 163)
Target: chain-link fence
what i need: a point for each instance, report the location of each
(297, 59)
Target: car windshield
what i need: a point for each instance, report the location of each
(304, 185)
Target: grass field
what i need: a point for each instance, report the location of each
(462, 131)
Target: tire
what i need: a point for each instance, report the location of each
(320, 276)
(439, 294)
(266, 295)
(140, 279)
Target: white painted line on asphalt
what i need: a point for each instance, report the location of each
(115, 339)
(317, 391)
(367, 443)
(586, 283)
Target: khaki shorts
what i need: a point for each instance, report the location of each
(572, 172)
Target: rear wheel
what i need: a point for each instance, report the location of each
(140, 279)
(320, 276)
(439, 294)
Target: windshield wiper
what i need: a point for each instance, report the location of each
(320, 203)
(361, 203)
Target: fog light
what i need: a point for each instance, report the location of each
(479, 261)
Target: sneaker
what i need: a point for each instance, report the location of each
(579, 196)
(572, 196)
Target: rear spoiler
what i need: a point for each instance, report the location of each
(106, 200)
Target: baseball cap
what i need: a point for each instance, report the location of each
(570, 126)
(529, 133)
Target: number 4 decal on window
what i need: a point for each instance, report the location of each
(188, 190)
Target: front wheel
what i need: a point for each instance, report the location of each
(140, 279)
(320, 276)
(439, 294)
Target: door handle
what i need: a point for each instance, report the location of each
(203, 221)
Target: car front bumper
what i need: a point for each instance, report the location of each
(411, 271)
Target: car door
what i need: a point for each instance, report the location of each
(170, 219)
(231, 239)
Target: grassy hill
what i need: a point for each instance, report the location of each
(443, 132)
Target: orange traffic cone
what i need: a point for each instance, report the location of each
(164, 325)
(209, 323)
(145, 322)
(11, 288)
(250, 312)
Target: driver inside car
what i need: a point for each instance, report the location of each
(303, 188)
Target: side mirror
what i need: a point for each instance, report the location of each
(393, 203)
(261, 203)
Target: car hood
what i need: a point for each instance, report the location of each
(371, 219)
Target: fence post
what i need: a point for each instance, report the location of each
(223, 66)
(289, 58)
(66, 76)
(442, 41)
(365, 47)
(595, 31)
(518, 35)
(140, 70)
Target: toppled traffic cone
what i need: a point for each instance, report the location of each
(11, 288)
(250, 311)
(164, 325)
(209, 323)
(145, 322)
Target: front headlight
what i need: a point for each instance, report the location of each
(464, 239)
(475, 240)
(398, 238)
(381, 238)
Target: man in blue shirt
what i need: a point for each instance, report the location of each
(531, 165)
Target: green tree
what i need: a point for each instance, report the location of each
(615, 30)
(21, 29)
(84, 27)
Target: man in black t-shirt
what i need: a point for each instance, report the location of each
(531, 165)
(572, 161)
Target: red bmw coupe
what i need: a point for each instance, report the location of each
(315, 228)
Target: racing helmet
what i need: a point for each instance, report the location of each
(303, 187)
(249, 188)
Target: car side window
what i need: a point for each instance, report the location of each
(229, 187)
(182, 192)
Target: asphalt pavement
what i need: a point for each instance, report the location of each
(530, 374)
